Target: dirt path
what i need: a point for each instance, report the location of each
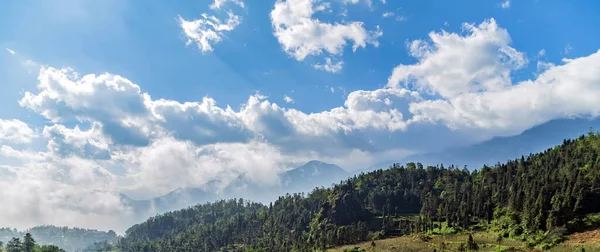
(592, 236)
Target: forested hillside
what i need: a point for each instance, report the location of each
(27, 244)
(70, 239)
(537, 198)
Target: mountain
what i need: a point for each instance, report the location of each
(538, 199)
(500, 149)
(176, 199)
(301, 179)
(310, 175)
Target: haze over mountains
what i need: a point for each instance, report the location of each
(316, 173)
(301, 179)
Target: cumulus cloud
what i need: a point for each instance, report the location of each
(561, 91)
(505, 4)
(444, 70)
(388, 14)
(477, 92)
(65, 142)
(302, 35)
(15, 131)
(10, 51)
(118, 109)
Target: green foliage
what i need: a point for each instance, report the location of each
(356, 249)
(50, 248)
(71, 239)
(538, 199)
(505, 249)
(29, 245)
(471, 245)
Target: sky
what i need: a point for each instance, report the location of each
(143, 97)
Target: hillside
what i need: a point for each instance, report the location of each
(501, 149)
(70, 239)
(535, 199)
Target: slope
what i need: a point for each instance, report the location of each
(537, 199)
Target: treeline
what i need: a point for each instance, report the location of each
(534, 196)
(27, 244)
(71, 239)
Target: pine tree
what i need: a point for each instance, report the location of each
(14, 245)
(28, 243)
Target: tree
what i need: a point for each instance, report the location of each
(471, 245)
(14, 245)
(28, 243)
(50, 248)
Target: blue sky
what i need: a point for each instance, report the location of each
(497, 70)
(142, 41)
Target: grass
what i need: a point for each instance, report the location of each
(486, 242)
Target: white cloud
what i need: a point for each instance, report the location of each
(505, 4)
(69, 191)
(323, 6)
(443, 68)
(169, 163)
(388, 14)
(543, 66)
(561, 91)
(367, 2)
(302, 35)
(477, 93)
(10, 51)
(568, 48)
(118, 109)
(15, 131)
(219, 3)
(65, 142)
(288, 99)
(208, 30)
(542, 53)
(400, 18)
(329, 66)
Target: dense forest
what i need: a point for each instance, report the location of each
(70, 239)
(537, 198)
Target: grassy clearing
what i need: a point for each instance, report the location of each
(589, 240)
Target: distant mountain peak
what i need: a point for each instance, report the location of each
(314, 162)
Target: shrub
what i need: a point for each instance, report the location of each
(471, 245)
